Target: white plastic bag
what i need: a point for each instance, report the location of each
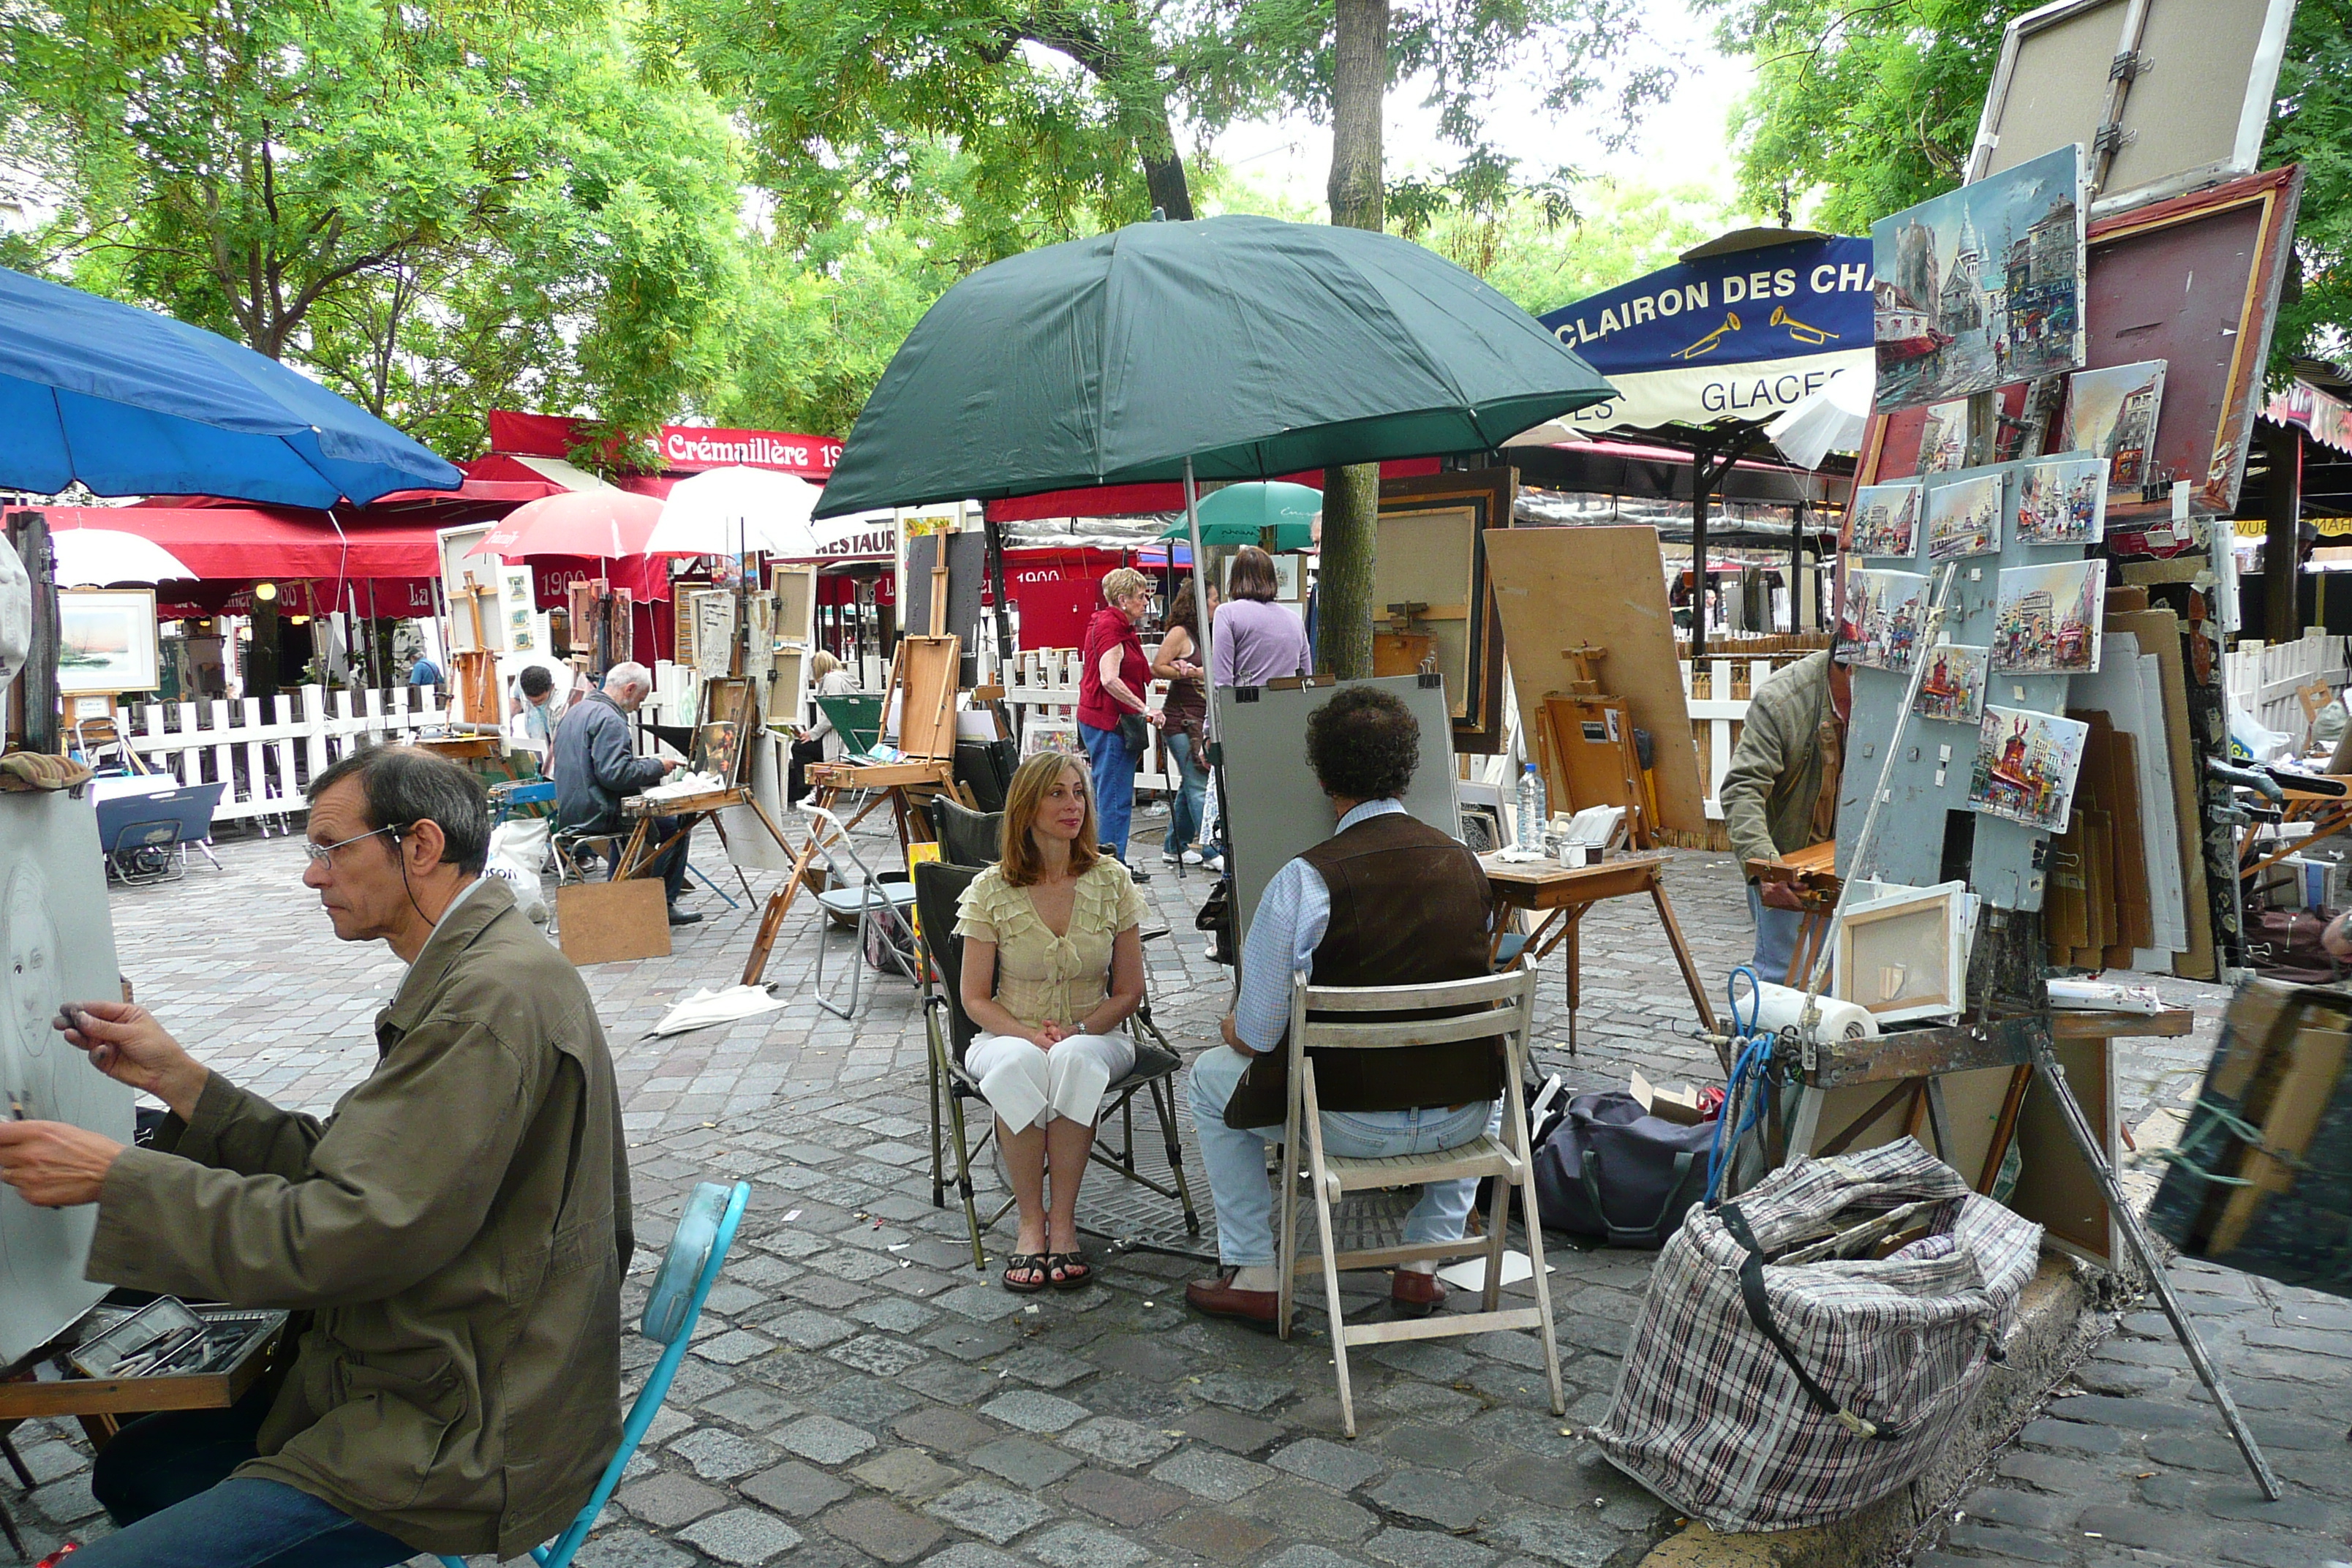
(518, 849)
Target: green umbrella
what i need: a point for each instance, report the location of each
(1232, 348)
(1240, 514)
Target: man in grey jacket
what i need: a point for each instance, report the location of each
(1780, 793)
(595, 766)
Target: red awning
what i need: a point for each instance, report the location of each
(1130, 501)
(253, 544)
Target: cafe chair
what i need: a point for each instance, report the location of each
(967, 837)
(690, 1267)
(874, 907)
(1504, 1006)
(950, 1031)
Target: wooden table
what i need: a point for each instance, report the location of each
(1563, 893)
(639, 853)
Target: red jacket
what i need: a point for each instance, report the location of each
(1110, 628)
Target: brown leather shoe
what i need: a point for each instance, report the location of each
(1216, 1297)
(1415, 1294)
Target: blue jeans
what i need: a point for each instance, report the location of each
(165, 1480)
(1235, 1158)
(1114, 773)
(1776, 939)
(1184, 810)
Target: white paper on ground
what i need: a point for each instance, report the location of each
(705, 1008)
(1470, 1274)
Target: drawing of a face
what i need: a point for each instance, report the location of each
(30, 979)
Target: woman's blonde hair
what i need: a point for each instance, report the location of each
(1119, 581)
(822, 663)
(1017, 860)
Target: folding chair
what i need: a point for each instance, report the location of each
(950, 1031)
(854, 893)
(857, 720)
(967, 837)
(1506, 1007)
(697, 1250)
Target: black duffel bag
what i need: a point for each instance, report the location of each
(1611, 1172)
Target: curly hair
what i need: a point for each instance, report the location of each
(1121, 581)
(1363, 744)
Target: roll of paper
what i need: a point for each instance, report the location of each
(1779, 1007)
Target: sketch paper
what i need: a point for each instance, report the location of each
(1881, 618)
(1954, 686)
(2111, 415)
(1981, 286)
(57, 945)
(1886, 519)
(2025, 767)
(107, 640)
(1964, 518)
(1944, 437)
(2046, 619)
(714, 633)
(2063, 501)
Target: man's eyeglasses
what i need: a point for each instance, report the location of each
(324, 854)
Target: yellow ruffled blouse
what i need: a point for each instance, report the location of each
(1040, 976)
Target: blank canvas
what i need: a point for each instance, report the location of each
(57, 945)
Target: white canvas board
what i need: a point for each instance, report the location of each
(1274, 807)
(2157, 809)
(57, 945)
(748, 843)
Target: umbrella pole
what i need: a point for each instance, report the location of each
(993, 542)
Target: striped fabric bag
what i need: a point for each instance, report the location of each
(1759, 1396)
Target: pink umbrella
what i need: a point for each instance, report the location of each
(601, 524)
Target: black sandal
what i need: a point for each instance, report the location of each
(1064, 1262)
(1037, 1263)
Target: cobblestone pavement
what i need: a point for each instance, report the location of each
(858, 1394)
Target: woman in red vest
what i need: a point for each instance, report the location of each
(1113, 677)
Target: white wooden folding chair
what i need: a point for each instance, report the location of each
(1504, 1006)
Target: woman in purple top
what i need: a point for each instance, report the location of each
(1255, 640)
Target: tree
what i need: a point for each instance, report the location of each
(1351, 495)
(433, 209)
(1861, 110)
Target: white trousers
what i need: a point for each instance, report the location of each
(1027, 1086)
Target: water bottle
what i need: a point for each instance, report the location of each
(1529, 830)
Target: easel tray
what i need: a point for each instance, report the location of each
(52, 1390)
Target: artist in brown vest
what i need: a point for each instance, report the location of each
(1386, 901)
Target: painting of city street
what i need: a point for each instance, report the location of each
(1981, 286)
(1886, 519)
(1879, 625)
(1954, 686)
(2045, 619)
(1944, 437)
(2063, 501)
(1964, 518)
(2111, 414)
(2025, 767)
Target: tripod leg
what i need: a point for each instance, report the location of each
(2054, 1076)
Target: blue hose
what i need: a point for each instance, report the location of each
(1751, 1046)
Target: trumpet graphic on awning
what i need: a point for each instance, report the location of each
(1708, 344)
(1810, 335)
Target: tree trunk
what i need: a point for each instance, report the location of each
(1351, 495)
(1163, 177)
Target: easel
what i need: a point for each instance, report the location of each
(1587, 749)
(474, 670)
(923, 678)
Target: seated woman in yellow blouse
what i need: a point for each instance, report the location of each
(1053, 964)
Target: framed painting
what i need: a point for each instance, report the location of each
(106, 641)
(1429, 578)
(2026, 766)
(2047, 619)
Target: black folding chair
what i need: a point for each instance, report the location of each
(950, 1031)
(967, 837)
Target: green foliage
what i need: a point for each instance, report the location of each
(435, 209)
(2312, 126)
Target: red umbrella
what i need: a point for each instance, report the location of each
(603, 524)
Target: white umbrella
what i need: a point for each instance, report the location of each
(727, 512)
(1830, 420)
(93, 557)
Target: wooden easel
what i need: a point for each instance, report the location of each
(1587, 751)
(923, 677)
(475, 671)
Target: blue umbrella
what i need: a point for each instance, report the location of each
(131, 403)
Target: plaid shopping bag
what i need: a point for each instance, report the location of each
(1759, 1396)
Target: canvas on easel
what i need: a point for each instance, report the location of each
(1430, 580)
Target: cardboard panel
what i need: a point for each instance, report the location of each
(604, 922)
(2158, 634)
(1272, 805)
(1430, 552)
(1558, 588)
(2055, 1188)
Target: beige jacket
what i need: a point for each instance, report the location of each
(453, 1238)
(1775, 779)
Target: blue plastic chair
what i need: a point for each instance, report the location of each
(697, 1250)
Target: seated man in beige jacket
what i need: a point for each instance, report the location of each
(452, 1239)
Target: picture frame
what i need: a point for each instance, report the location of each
(2026, 766)
(1482, 829)
(1886, 519)
(1904, 954)
(107, 642)
(2049, 620)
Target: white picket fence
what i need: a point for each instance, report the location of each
(2267, 679)
(264, 751)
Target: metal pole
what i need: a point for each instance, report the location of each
(2053, 1076)
(1702, 452)
(1201, 614)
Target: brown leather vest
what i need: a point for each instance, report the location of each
(1409, 907)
